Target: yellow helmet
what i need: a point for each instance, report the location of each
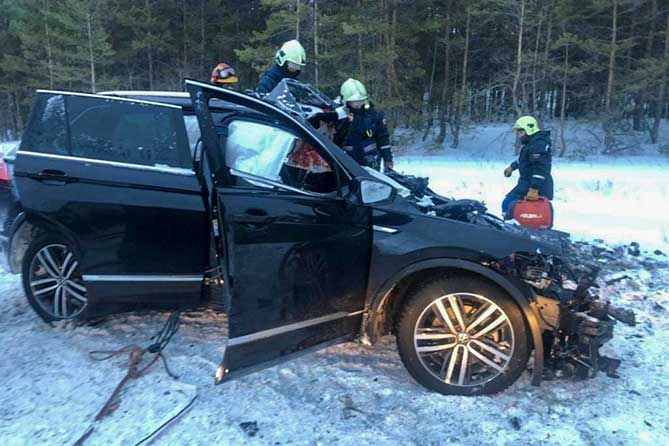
(527, 123)
(353, 90)
(291, 51)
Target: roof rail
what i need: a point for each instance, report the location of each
(165, 94)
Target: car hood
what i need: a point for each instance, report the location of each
(460, 225)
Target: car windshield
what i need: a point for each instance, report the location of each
(298, 99)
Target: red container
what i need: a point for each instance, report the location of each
(534, 214)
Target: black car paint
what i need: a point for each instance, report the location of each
(290, 226)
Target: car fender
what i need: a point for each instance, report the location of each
(50, 226)
(519, 291)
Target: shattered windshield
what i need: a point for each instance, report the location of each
(299, 99)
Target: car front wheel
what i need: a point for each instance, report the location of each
(51, 280)
(462, 335)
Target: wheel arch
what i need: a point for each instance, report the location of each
(27, 227)
(385, 303)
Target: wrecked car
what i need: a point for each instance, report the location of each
(119, 199)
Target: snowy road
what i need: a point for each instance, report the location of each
(344, 395)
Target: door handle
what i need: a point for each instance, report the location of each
(253, 221)
(54, 176)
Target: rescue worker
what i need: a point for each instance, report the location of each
(289, 61)
(533, 164)
(364, 135)
(224, 75)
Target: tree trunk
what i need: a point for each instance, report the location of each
(47, 42)
(563, 100)
(297, 19)
(612, 57)
(19, 115)
(463, 86)
(643, 94)
(662, 90)
(202, 35)
(535, 62)
(91, 54)
(184, 42)
(443, 107)
(519, 59)
(543, 94)
(430, 102)
(361, 71)
(391, 73)
(149, 50)
(316, 72)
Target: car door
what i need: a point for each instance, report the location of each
(115, 177)
(295, 253)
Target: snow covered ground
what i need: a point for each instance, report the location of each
(344, 395)
(614, 200)
(355, 395)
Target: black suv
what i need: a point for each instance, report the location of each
(121, 199)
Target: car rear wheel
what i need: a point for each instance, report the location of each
(52, 281)
(462, 335)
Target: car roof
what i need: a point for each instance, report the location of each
(178, 98)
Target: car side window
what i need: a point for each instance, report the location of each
(193, 131)
(47, 130)
(128, 132)
(277, 155)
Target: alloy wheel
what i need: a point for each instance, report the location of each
(464, 339)
(55, 282)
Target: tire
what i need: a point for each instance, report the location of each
(433, 345)
(52, 281)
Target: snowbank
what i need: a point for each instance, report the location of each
(7, 146)
(611, 200)
(494, 141)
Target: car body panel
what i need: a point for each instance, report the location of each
(124, 220)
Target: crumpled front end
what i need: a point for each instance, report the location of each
(575, 321)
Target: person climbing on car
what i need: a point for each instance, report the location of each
(289, 61)
(364, 135)
(533, 164)
(224, 75)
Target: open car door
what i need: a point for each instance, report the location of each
(295, 254)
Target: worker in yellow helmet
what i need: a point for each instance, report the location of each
(289, 61)
(364, 136)
(533, 163)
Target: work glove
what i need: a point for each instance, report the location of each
(508, 171)
(532, 194)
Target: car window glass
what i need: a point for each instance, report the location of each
(277, 155)
(47, 131)
(193, 131)
(128, 132)
(257, 149)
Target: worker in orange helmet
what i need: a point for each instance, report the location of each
(224, 75)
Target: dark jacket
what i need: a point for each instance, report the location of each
(273, 76)
(366, 138)
(534, 165)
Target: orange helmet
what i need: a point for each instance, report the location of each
(224, 74)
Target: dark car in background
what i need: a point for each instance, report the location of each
(131, 198)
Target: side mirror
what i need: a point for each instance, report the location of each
(372, 191)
